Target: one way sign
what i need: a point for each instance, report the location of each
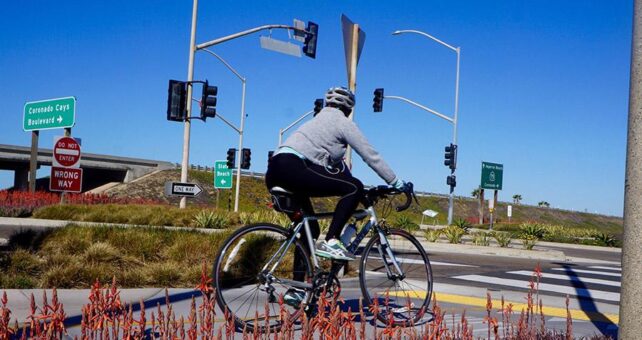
(182, 189)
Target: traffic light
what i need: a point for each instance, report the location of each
(246, 155)
(176, 103)
(450, 158)
(208, 101)
(451, 181)
(310, 43)
(377, 102)
(318, 105)
(231, 158)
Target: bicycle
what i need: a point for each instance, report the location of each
(256, 266)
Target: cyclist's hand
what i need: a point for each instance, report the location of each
(399, 185)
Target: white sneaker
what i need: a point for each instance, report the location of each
(334, 250)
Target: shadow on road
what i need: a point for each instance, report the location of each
(600, 321)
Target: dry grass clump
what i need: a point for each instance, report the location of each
(75, 257)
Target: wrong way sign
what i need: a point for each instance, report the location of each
(65, 179)
(66, 152)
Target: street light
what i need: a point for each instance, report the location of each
(239, 130)
(454, 119)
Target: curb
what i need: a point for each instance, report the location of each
(549, 255)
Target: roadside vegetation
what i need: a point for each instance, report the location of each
(75, 257)
(527, 234)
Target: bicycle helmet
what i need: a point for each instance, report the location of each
(340, 97)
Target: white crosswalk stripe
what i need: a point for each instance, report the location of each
(583, 271)
(569, 277)
(593, 282)
(607, 268)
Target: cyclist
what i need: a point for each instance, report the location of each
(310, 164)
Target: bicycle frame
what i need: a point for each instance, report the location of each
(305, 223)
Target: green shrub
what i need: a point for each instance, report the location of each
(454, 234)
(502, 238)
(433, 235)
(481, 239)
(532, 230)
(463, 224)
(209, 219)
(529, 241)
(604, 239)
(404, 222)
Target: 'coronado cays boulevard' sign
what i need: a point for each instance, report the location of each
(49, 114)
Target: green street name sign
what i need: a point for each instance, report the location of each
(49, 114)
(222, 175)
(492, 175)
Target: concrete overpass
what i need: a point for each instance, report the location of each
(97, 169)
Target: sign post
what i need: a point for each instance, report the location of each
(353, 40)
(222, 175)
(509, 211)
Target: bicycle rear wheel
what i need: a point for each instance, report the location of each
(243, 285)
(403, 298)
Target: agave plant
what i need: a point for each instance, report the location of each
(454, 234)
(209, 219)
(432, 235)
(502, 238)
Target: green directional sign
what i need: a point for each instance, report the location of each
(222, 175)
(49, 114)
(492, 175)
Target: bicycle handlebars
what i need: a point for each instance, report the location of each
(381, 191)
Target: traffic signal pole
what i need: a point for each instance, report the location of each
(452, 188)
(190, 77)
(454, 119)
(631, 292)
(238, 159)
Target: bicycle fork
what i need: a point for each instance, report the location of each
(384, 246)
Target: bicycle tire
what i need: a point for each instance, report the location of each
(418, 298)
(221, 266)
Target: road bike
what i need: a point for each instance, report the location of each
(260, 262)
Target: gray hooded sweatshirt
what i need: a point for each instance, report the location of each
(323, 141)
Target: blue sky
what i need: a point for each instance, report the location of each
(544, 85)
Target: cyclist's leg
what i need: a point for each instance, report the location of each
(299, 261)
(339, 183)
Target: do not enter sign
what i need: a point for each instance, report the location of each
(66, 153)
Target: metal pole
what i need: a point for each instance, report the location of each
(352, 81)
(280, 137)
(452, 189)
(631, 292)
(238, 162)
(33, 161)
(190, 77)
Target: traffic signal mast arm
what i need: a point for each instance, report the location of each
(244, 33)
(440, 115)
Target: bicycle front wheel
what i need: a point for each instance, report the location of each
(401, 293)
(254, 269)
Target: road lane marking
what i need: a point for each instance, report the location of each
(568, 277)
(583, 271)
(576, 314)
(582, 292)
(432, 263)
(606, 268)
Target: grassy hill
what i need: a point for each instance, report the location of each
(254, 196)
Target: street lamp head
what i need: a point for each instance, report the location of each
(396, 32)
